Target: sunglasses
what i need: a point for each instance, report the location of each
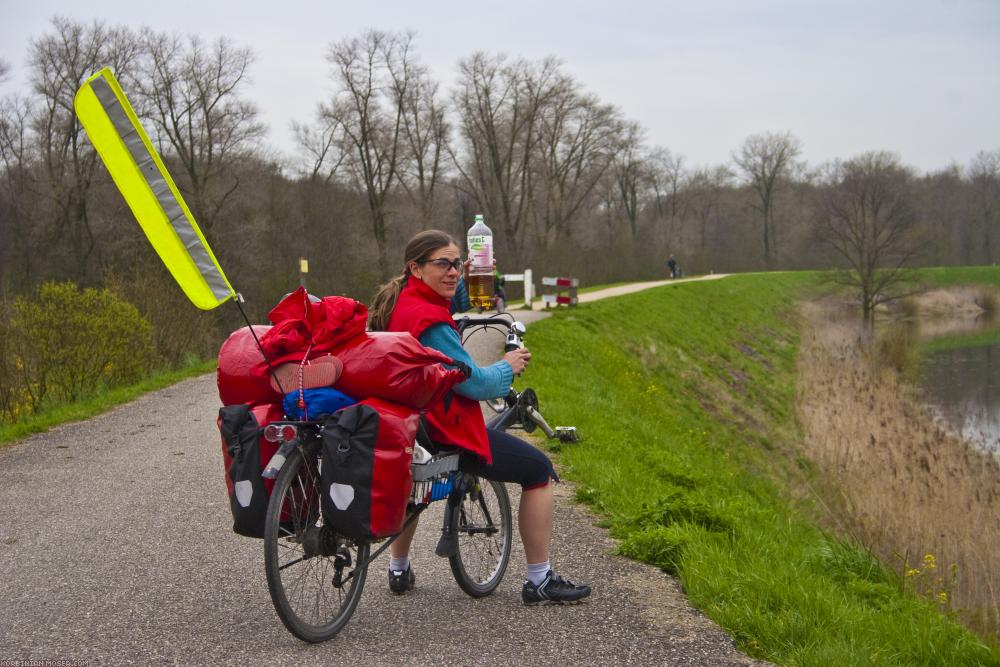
(443, 264)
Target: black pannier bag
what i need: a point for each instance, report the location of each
(365, 476)
(244, 457)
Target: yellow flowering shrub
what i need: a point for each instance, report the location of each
(68, 342)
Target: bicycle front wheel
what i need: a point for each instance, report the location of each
(484, 528)
(497, 405)
(315, 576)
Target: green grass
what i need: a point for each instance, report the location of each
(954, 276)
(978, 339)
(959, 275)
(102, 402)
(686, 409)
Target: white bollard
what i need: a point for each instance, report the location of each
(529, 288)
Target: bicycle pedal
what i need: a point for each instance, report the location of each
(567, 434)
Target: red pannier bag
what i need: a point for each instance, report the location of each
(243, 375)
(392, 366)
(245, 454)
(365, 476)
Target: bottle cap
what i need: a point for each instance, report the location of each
(479, 217)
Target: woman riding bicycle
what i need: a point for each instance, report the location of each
(418, 301)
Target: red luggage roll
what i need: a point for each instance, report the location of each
(243, 375)
(395, 367)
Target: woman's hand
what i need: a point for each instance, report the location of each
(467, 264)
(518, 359)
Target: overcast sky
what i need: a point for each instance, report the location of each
(918, 77)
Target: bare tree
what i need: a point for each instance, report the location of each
(321, 149)
(667, 176)
(426, 131)
(60, 62)
(867, 220)
(704, 189)
(578, 140)
(608, 210)
(631, 173)
(945, 207)
(764, 160)
(18, 227)
(192, 91)
(374, 74)
(984, 174)
(4, 70)
(498, 106)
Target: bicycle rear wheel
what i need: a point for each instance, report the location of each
(484, 528)
(314, 575)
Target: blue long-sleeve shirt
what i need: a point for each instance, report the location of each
(486, 381)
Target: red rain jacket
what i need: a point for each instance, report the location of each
(300, 323)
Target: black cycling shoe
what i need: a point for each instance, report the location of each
(400, 582)
(553, 590)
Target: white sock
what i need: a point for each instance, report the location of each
(399, 564)
(537, 572)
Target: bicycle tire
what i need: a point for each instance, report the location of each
(301, 571)
(497, 405)
(484, 528)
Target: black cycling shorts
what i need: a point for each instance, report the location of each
(514, 461)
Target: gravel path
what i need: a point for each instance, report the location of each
(619, 290)
(116, 548)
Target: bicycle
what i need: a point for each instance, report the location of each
(316, 576)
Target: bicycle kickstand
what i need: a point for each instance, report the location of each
(448, 544)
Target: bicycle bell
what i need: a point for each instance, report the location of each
(515, 337)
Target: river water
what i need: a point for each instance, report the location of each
(962, 386)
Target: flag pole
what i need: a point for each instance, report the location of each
(239, 304)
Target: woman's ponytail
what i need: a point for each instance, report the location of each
(384, 302)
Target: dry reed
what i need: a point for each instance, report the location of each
(895, 480)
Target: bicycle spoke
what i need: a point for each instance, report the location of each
(482, 547)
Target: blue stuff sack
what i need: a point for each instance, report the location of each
(319, 401)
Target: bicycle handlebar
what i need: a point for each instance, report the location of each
(465, 322)
(515, 330)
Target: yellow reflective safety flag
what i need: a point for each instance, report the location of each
(149, 190)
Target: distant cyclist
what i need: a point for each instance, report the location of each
(675, 270)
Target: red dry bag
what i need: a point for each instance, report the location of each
(243, 375)
(366, 479)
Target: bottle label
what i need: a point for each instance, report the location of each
(481, 251)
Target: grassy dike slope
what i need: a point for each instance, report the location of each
(684, 396)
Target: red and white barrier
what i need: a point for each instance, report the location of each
(562, 284)
(558, 300)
